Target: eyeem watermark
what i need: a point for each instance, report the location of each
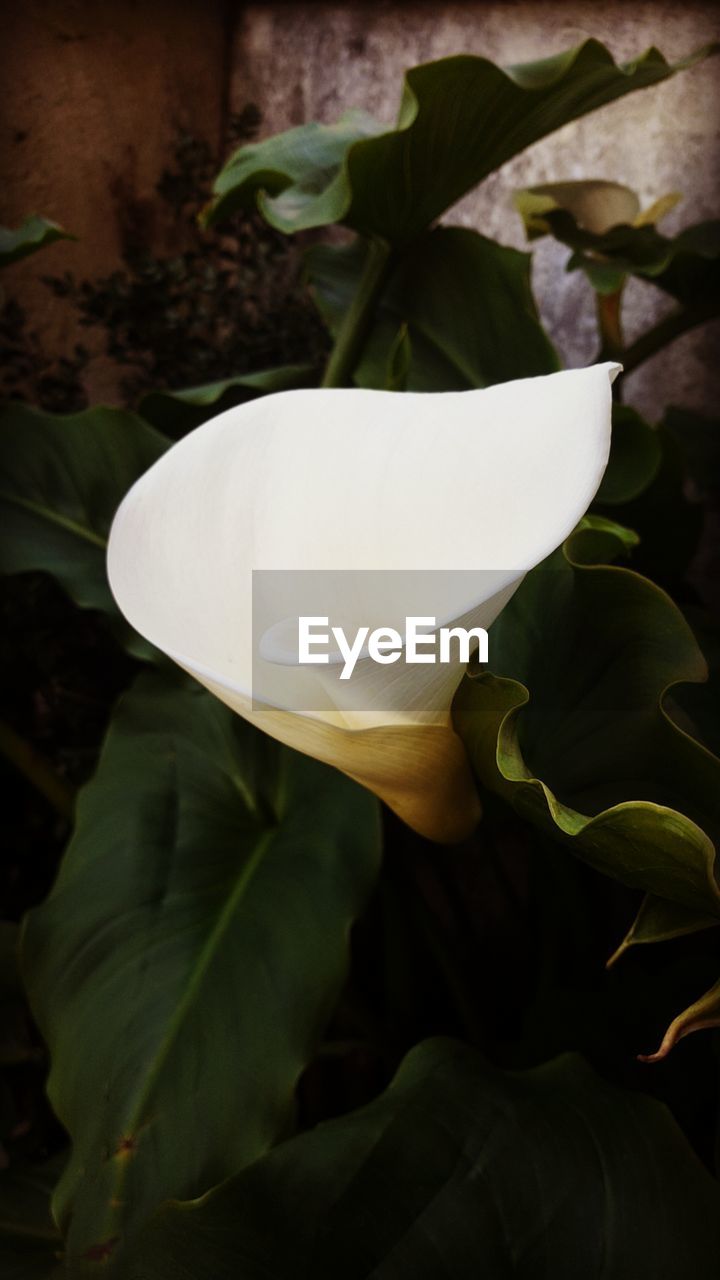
(421, 642)
(370, 642)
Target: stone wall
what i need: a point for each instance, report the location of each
(94, 94)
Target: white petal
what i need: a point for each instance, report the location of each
(487, 481)
(595, 204)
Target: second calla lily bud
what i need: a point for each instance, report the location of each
(596, 205)
(472, 488)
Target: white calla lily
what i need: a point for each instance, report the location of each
(485, 482)
(596, 204)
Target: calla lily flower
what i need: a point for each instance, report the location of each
(473, 488)
(596, 205)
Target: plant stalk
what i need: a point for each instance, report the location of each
(612, 344)
(356, 324)
(672, 327)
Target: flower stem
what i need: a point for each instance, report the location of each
(673, 326)
(612, 344)
(356, 324)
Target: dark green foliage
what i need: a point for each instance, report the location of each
(222, 305)
(460, 1170)
(220, 874)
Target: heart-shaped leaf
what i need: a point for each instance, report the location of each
(195, 941)
(458, 1171)
(61, 479)
(460, 118)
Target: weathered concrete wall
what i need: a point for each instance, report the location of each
(93, 94)
(301, 62)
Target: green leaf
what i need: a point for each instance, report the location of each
(296, 166)
(659, 920)
(460, 118)
(30, 1243)
(62, 478)
(570, 728)
(467, 303)
(635, 458)
(458, 1171)
(194, 944)
(32, 234)
(597, 540)
(607, 259)
(692, 273)
(335, 272)
(177, 412)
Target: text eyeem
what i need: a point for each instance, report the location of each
(422, 642)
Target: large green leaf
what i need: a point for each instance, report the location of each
(467, 303)
(61, 480)
(568, 725)
(460, 118)
(30, 1243)
(458, 1171)
(32, 234)
(177, 412)
(194, 944)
